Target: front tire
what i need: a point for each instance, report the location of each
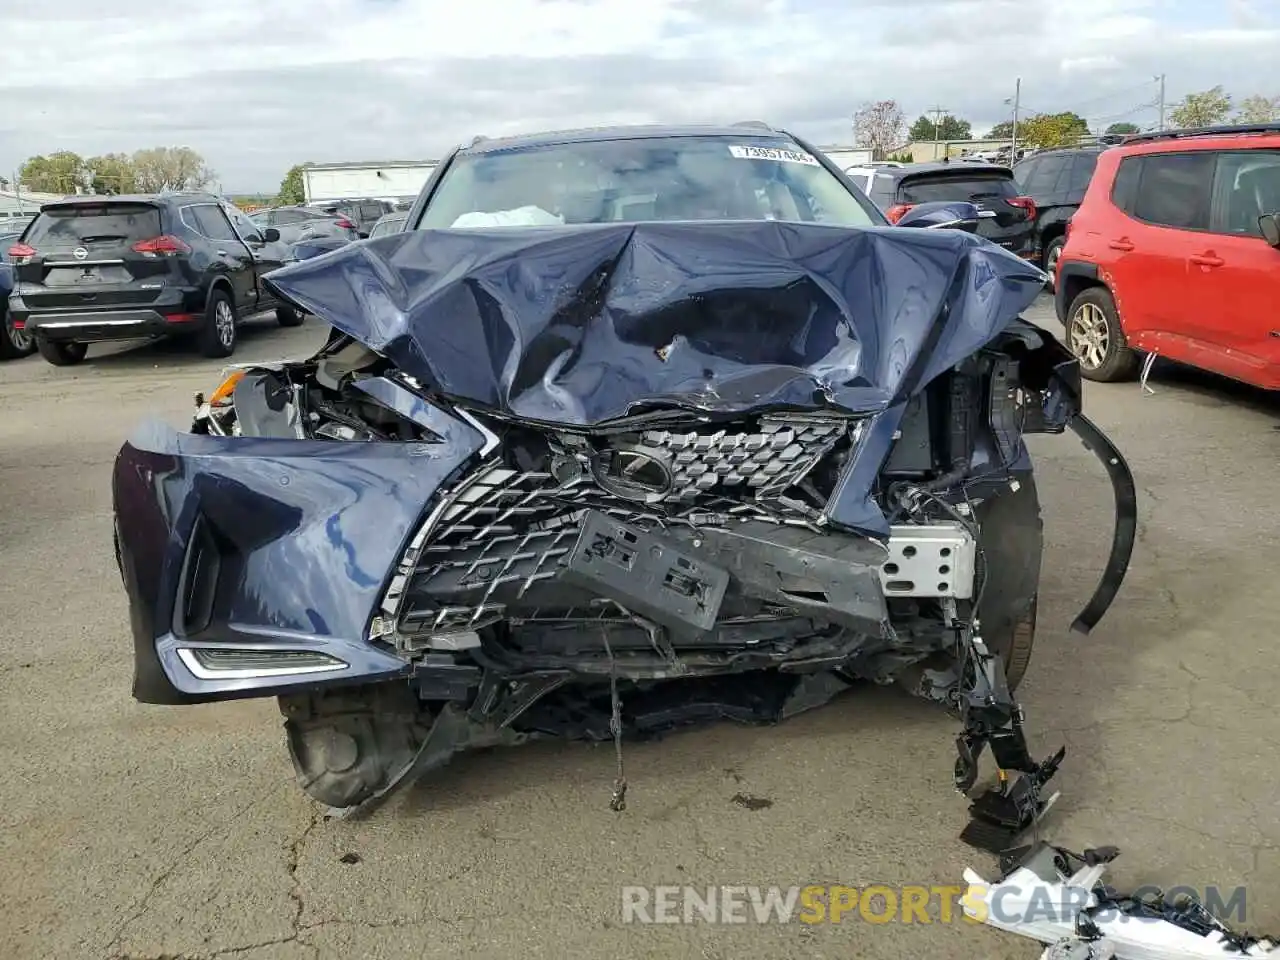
(221, 328)
(287, 316)
(1096, 339)
(1052, 254)
(60, 353)
(348, 744)
(14, 343)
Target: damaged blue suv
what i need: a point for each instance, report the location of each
(628, 429)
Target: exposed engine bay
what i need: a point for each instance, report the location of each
(644, 476)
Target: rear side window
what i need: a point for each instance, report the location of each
(82, 224)
(1043, 180)
(1125, 189)
(1174, 190)
(929, 188)
(1246, 188)
(1082, 168)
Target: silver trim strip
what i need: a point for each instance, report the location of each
(188, 658)
(59, 324)
(491, 440)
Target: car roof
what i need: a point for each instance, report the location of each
(97, 199)
(1229, 137)
(627, 132)
(960, 167)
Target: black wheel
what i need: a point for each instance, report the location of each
(1052, 254)
(1012, 539)
(62, 354)
(1096, 339)
(287, 316)
(220, 332)
(14, 343)
(346, 745)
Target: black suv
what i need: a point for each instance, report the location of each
(94, 269)
(1007, 216)
(1055, 180)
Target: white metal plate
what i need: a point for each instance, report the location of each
(930, 560)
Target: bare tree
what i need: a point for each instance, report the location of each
(170, 168)
(880, 126)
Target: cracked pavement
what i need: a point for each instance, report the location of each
(146, 832)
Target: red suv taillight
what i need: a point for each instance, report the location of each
(895, 212)
(1026, 203)
(164, 246)
(20, 253)
(346, 224)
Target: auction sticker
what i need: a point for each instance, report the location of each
(773, 153)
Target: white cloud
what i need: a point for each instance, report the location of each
(256, 86)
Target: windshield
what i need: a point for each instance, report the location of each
(633, 181)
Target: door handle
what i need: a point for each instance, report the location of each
(1209, 259)
(1124, 243)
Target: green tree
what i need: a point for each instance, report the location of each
(1001, 131)
(291, 189)
(1258, 109)
(1123, 127)
(111, 173)
(60, 172)
(949, 128)
(170, 168)
(1203, 109)
(1052, 129)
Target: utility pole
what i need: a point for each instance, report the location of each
(1017, 103)
(937, 121)
(1161, 79)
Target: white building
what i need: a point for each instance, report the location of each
(383, 181)
(844, 157)
(26, 203)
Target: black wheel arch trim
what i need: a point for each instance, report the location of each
(1068, 269)
(1125, 532)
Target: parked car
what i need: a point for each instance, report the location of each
(294, 222)
(1173, 252)
(620, 405)
(15, 342)
(861, 176)
(1056, 181)
(94, 269)
(391, 223)
(364, 213)
(1010, 215)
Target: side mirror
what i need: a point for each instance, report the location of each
(271, 235)
(1269, 224)
(945, 215)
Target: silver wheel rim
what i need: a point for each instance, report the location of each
(1090, 335)
(225, 323)
(20, 339)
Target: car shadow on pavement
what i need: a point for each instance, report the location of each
(1213, 389)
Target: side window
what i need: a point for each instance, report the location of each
(213, 224)
(1082, 168)
(1246, 186)
(1043, 181)
(244, 226)
(1023, 171)
(1125, 189)
(1174, 190)
(289, 216)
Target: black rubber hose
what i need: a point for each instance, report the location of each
(1126, 526)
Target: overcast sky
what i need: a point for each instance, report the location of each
(258, 85)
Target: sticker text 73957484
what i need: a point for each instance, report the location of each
(747, 152)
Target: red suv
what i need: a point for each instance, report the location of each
(1175, 251)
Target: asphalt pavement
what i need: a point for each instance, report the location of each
(147, 832)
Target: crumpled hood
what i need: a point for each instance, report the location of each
(583, 324)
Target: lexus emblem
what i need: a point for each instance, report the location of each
(80, 253)
(634, 473)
